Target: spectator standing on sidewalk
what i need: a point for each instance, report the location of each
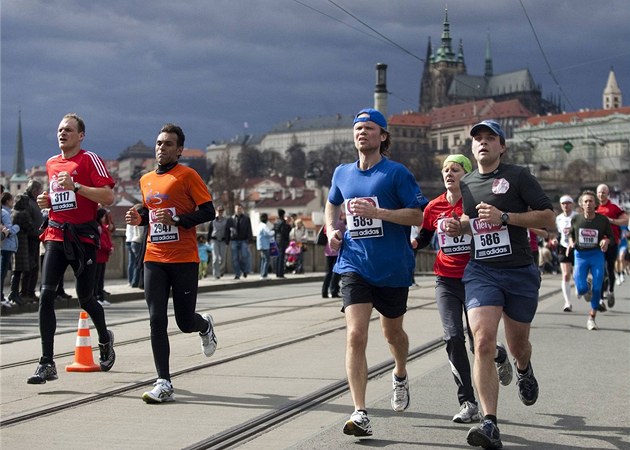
(22, 264)
(501, 201)
(9, 241)
(204, 250)
(330, 286)
(298, 234)
(451, 260)
(102, 256)
(264, 236)
(30, 278)
(240, 236)
(175, 201)
(219, 237)
(382, 200)
(282, 230)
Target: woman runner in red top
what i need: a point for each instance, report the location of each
(451, 259)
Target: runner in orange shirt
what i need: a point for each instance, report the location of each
(175, 200)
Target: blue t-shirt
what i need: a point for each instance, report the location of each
(382, 255)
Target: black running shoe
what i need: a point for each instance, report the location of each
(527, 386)
(610, 298)
(44, 372)
(485, 435)
(108, 356)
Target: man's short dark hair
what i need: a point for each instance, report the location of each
(80, 122)
(281, 213)
(172, 128)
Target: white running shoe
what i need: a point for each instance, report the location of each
(400, 396)
(209, 338)
(590, 324)
(468, 412)
(161, 392)
(358, 425)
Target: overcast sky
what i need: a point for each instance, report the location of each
(128, 66)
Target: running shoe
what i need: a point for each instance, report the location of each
(358, 425)
(162, 392)
(108, 356)
(104, 302)
(400, 395)
(567, 307)
(589, 293)
(602, 306)
(485, 435)
(504, 368)
(209, 338)
(527, 386)
(590, 324)
(468, 412)
(610, 298)
(44, 372)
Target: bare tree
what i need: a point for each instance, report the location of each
(224, 180)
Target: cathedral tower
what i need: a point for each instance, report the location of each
(612, 93)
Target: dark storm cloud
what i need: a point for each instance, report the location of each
(128, 67)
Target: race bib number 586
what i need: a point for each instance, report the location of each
(490, 240)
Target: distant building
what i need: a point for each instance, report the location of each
(445, 130)
(445, 80)
(133, 161)
(315, 133)
(584, 146)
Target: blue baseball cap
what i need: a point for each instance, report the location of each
(493, 125)
(375, 116)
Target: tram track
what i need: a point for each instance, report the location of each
(171, 333)
(110, 393)
(261, 424)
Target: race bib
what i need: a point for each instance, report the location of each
(490, 240)
(63, 200)
(160, 232)
(452, 245)
(588, 238)
(361, 227)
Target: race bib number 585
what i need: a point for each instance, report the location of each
(361, 227)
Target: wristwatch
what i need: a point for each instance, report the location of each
(77, 186)
(505, 218)
(176, 219)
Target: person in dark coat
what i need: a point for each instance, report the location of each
(29, 279)
(282, 229)
(21, 263)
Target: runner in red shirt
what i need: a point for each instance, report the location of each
(617, 217)
(451, 259)
(78, 182)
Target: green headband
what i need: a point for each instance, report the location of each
(461, 160)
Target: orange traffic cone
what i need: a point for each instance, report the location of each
(83, 361)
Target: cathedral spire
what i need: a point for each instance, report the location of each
(612, 93)
(445, 52)
(19, 166)
(488, 72)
